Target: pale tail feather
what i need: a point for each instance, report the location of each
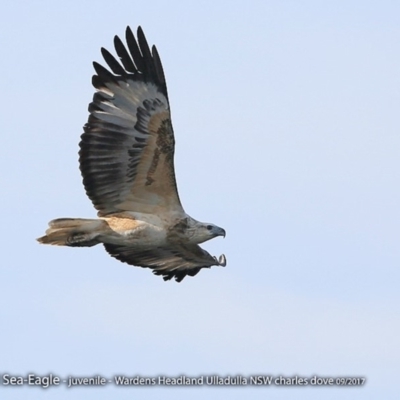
(76, 232)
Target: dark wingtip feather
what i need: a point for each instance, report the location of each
(112, 62)
(128, 31)
(134, 50)
(103, 73)
(124, 55)
(158, 66)
(143, 45)
(145, 50)
(140, 31)
(96, 82)
(179, 276)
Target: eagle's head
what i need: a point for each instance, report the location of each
(200, 232)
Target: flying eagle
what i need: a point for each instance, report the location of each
(127, 163)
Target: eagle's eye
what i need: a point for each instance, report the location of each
(209, 227)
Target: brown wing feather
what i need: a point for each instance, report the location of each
(176, 262)
(127, 149)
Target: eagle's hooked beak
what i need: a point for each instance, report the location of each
(221, 232)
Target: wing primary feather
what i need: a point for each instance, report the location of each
(134, 49)
(124, 55)
(112, 62)
(104, 74)
(147, 57)
(158, 67)
(98, 83)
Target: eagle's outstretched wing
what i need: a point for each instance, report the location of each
(174, 262)
(127, 150)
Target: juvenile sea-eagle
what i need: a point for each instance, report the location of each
(127, 162)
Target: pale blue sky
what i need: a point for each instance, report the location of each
(287, 130)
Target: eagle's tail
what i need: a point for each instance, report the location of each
(75, 232)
